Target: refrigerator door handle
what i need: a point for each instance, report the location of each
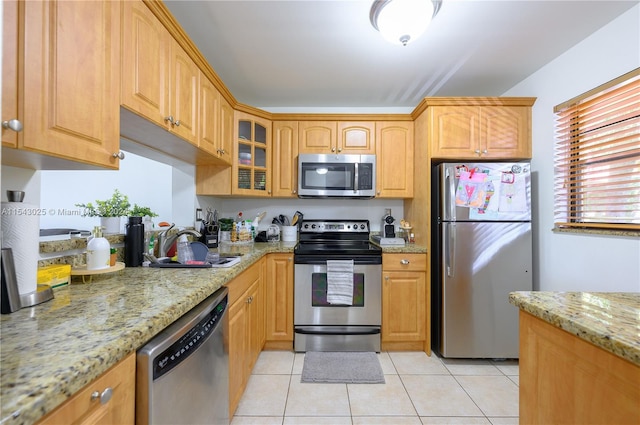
(451, 249)
(450, 187)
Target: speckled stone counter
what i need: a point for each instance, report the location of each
(49, 352)
(409, 248)
(608, 320)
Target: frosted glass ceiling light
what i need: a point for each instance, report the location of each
(402, 21)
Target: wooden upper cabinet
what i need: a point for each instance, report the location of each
(394, 162)
(146, 46)
(356, 137)
(480, 132)
(317, 136)
(10, 50)
(226, 131)
(327, 137)
(209, 117)
(252, 156)
(160, 81)
(68, 82)
(183, 94)
(284, 171)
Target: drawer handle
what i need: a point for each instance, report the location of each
(404, 261)
(104, 397)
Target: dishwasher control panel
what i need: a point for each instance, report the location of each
(190, 341)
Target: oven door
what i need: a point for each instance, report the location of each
(310, 295)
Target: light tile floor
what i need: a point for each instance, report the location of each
(418, 390)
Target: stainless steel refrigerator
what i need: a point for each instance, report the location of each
(481, 251)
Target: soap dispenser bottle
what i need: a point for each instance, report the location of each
(98, 251)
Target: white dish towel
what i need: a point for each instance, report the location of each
(340, 282)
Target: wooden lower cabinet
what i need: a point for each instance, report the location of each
(279, 302)
(246, 328)
(405, 301)
(88, 407)
(566, 380)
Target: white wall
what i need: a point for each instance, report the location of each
(145, 182)
(579, 262)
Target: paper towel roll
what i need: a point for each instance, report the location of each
(21, 233)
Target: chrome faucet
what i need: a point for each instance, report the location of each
(165, 241)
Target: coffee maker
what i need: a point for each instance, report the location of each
(388, 225)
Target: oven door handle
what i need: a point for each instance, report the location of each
(338, 330)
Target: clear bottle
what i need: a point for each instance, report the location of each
(185, 253)
(148, 235)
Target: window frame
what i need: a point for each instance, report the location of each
(575, 158)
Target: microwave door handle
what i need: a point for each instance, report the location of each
(355, 177)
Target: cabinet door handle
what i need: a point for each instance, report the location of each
(13, 124)
(119, 155)
(404, 261)
(104, 397)
(170, 119)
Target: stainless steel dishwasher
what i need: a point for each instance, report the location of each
(183, 372)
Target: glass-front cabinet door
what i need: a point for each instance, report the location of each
(252, 161)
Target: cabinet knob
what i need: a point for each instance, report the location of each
(13, 124)
(339, 149)
(484, 151)
(119, 155)
(378, 193)
(104, 397)
(170, 119)
(386, 278)
(177, 123)
(404, 261)
(333, 149)
(477, 151)
(294, 191)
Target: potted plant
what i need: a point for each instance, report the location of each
(138, 211)
(109, 210)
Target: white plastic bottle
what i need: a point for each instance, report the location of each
(98, 251)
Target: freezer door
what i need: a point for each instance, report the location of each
(502, 194)
(481, 264)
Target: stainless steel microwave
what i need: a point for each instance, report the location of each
(336, 176)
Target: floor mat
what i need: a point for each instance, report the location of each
(342, 367)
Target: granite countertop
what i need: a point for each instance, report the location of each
(51, 351)
(609, 320)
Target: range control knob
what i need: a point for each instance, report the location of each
(362, 226)
(313, 226)
(306, 226)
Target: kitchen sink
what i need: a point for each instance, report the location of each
(223, 262)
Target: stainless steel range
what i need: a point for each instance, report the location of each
(337, 287)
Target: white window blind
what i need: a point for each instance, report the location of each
(597, 157)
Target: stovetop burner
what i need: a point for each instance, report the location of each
(335, 237)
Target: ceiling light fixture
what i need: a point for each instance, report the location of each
(402, 21)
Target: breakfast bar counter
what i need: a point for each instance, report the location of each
(579, 357)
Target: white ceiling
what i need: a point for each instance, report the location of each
(302, 55)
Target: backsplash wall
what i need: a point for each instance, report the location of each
(370, 209)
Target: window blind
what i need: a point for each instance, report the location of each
(597, 157)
